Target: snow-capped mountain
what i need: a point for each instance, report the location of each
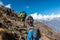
(54, 24)
(52, 21)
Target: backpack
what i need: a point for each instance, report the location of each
(36, 33)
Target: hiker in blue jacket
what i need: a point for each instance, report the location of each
(33, 31)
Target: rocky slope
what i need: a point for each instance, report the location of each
(10, 23)
(47, 32)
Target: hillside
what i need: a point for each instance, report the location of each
(48, 32)
(10, 24)
(53, 23)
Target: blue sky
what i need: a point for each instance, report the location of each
(31, 6)
(39, 9)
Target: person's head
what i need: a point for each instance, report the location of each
(29, 20)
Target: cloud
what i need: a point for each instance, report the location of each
(27, 7)
(8, 5)
(37, 16)
(1, 3)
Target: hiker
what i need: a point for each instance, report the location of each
(33, 32)
(22, 16)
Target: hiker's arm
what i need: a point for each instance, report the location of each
(29, 35)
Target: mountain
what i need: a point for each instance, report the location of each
(48, 32)
(54, 24)
(12, 29)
